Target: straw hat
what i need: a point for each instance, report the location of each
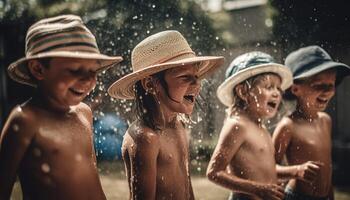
(246, 66)
(61, 36)
(158, 52)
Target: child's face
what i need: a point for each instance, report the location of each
(265, 96)
(68, 81)
(315, 93)
(183, 88)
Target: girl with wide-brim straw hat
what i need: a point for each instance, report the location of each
(164, 85)
(161, 51)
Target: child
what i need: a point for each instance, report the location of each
(165, 83)
(305, 136)
(243, 158)
(47, 140)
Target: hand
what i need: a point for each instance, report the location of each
(308, 171)
(270, 191)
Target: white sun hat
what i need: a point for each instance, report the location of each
(246, 66)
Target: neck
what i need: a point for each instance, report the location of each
(166, 118)
(49, 103)
(304, 114)
(253, 116)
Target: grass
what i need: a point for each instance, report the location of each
(115, 185)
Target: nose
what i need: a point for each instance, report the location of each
(89, 78)
(196, 82)
(330, 90)
(276, 92)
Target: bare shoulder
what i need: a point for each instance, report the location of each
(233, 127)
(143, 135)
(83, 108)
(22, 121)
(324, 117)
(285, 125)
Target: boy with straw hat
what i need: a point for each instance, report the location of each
(164, 85)
(47, 140)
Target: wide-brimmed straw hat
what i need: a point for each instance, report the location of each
(311, 60)
(62, 36)
(158, 52)
(246, 66)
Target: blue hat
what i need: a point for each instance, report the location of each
(311, 60)
(246, 66)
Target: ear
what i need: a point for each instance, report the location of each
(294, 89)
(242, 92)
(36, 69)
(147, 84)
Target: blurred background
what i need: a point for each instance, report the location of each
(212, 27)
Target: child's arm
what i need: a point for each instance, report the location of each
(15, 139)
(191, 190)
(281, 139)
(230, 140)
(144, 165)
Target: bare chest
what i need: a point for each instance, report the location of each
(258, 141)
(67, 136)
(314, 137)
(173, 147)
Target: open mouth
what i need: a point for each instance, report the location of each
(272, 104)
(322, 101)
(189, 98)
(76, 92)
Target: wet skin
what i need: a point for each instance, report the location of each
(48, 140)
(305, 138)
(243, 159)
(157, 161)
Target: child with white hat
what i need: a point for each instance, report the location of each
(243, 160)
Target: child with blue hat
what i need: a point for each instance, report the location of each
(305, 135)
(243, 160)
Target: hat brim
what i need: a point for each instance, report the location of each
(124, 87)
(325, 66)
(18, 70)
(224, 91)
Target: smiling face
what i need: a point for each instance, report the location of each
(68, 81)
(264, 97)
(182, 88)
(315, 93)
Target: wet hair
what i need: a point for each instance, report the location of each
(238, 102)
(146, 104)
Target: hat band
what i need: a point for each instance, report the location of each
(73, 37)
(179, 56)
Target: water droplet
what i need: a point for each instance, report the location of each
(15, 127)
(78, 157)
(45, 168)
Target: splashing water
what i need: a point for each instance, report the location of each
(45, 168)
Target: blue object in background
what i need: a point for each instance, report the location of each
(108, 136)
